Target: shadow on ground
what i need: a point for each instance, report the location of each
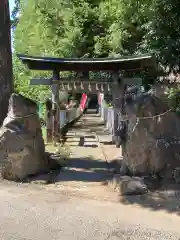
(95, 175)
(80, 170)
(166, 198)
(82, 140)
(78, 136)
(85, 170)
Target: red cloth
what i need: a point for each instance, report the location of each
(83, 101)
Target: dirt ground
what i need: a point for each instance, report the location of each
(89, 167)
(76, 203)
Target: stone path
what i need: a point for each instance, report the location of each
(91, 158)
(91, 151)
(87, 170)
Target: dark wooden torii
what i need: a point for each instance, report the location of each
(114, 65)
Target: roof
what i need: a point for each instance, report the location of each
(132, 63)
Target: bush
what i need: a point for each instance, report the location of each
(174, 99)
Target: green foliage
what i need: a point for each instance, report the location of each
(164, 32)
(81, 28)
(93, 28)
(174, 99)
(22, 77)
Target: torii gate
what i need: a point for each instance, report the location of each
(116, 85)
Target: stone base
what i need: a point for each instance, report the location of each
(126, 185)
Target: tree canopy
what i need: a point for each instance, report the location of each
(94, 28)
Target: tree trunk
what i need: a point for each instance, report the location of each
(6, 84)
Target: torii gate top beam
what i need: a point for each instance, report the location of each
(128, 63)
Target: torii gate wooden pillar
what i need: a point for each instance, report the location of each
(55, 105)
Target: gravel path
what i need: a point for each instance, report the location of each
(36, 214)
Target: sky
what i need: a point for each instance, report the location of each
(11, 5)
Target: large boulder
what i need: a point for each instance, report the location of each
(22, 149)
(153, 137)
